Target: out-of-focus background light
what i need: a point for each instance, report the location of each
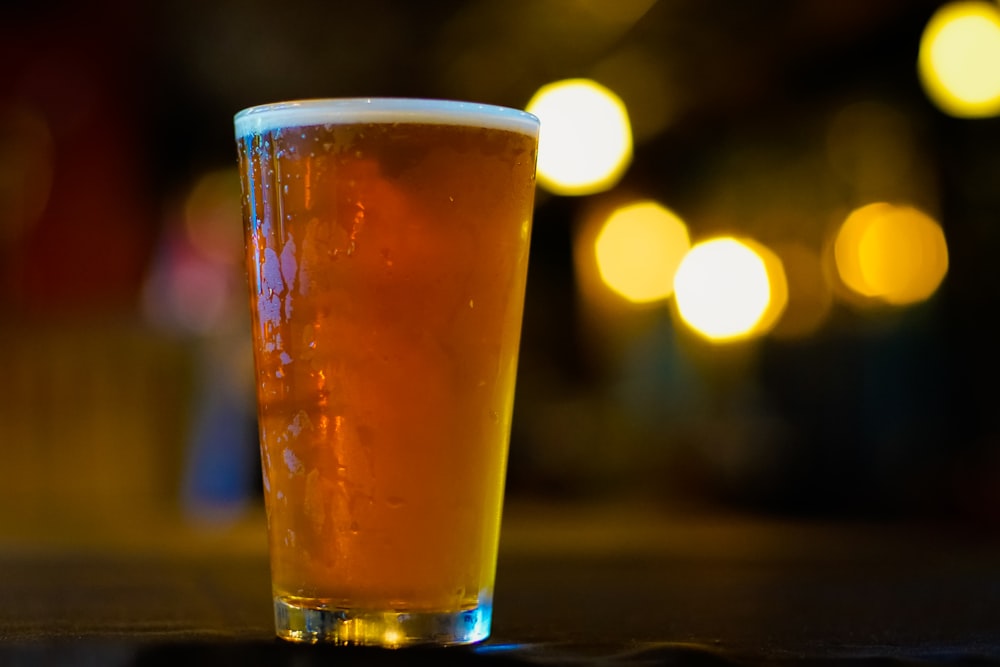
(876, 153)
(896, 254)
(722, 289)
(213, 218)
(26, 154)
(195, 282)
(810, 297)
(638, 250)
(841, 137)
(585, 143)
(777, 283)
(959, 61)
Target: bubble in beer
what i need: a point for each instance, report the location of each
(300, 423)
(271, 273)
(291, 461)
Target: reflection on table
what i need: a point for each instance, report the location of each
(604, 584)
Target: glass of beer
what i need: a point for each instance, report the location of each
(387, 252)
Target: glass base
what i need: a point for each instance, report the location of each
(316, 623)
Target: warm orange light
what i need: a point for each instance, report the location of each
(896, 254)
(777, 286)
(638, 250)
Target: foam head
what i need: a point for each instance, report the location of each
(303, 113)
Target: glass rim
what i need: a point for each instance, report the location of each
(344, 110)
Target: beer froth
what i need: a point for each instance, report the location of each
(302, 113)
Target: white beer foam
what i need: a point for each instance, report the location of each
(304, 113)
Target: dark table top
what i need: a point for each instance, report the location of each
(601, 586)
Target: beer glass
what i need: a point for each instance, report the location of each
(387, 251)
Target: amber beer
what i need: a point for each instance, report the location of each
(387, 249)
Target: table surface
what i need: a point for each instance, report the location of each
(618, 585)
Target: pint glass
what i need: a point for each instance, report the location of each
(387, 251)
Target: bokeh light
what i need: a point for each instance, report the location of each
(212, 217)
(959, 61)
(722, 289)
(196, 283)
(585, 144)
(638, 250)
(896, 254)
(638, 76)
(777, 286)
(877, 153)
(26, 169)
(810, 298)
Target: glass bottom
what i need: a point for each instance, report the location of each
(313, 622)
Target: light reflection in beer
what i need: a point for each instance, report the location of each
(323, 428)
(307, 183)
(323, 401)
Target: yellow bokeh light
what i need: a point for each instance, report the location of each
(777, 286)
(585, 143)
(897, 254)
(722, 289)
(959, 61)
(810, 298)
(639, 249)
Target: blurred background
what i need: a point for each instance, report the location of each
(760, 279)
